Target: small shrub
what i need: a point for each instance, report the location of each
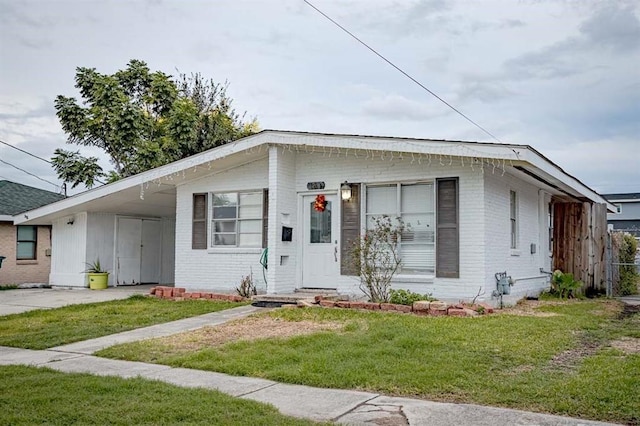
(564, 285)
(8, 286)
(247, 288)
(377, 257)
(406, 297)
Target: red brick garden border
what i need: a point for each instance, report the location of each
(422, 307)
(179, 293)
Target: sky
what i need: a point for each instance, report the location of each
(561, 76)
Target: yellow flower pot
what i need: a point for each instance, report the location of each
(98, 281)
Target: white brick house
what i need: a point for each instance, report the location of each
(473, 209)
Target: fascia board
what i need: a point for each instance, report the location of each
(554, 170)
(143, 178)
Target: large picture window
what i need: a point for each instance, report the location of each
(414, 204)
(26, 242)
(236, 219)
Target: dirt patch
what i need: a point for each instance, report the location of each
(529, 308)
(569, 359)
(251, 328)
(628, 345)
(629, 310)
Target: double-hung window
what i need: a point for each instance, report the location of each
(27, 240)
(513, 216)
(414, 204)
(236, 219)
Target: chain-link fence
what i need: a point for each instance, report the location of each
(620, 269)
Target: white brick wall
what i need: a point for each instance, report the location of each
(519, 263)
(217, 269)
(334, 170)
(282, 212)
(484, 223)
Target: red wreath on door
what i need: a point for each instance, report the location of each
(320, 204)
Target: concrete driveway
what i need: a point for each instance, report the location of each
(633, 300)
(16, 301)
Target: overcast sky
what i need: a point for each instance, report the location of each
(561, 76)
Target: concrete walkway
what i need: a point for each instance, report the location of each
(342, 406)
(23, 300)
(91, 346)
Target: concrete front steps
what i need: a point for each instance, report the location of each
(300, 295)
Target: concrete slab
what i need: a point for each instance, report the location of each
(231, 385)
(633, 300)
(215, 318)
(106, 367)
(17, 301)
(387, 415)
(310, 403)
(419, 412)
(16, 356)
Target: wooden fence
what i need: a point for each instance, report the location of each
(580, 242)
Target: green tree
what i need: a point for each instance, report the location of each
(142, 120)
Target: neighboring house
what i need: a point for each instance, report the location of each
(472, 210)
(26, 248)
(627, 214)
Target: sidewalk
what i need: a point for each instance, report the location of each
(342, 406)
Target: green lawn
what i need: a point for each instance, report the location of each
(46, 328)
(503, 360)
(31, 395)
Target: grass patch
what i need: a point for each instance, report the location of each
(45, 328)
(30, 395)
(530, 362)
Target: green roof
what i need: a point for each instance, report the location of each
(16, 198)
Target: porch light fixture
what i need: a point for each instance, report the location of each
(345, 191)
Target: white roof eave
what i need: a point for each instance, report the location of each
(295, 141)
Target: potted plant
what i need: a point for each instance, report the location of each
(98, 276)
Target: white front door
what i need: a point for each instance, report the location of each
(150, 262)
(321, 238)
(138, 251)
(128, 251)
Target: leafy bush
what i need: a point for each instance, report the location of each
(8, 286)
(564, 285)
(406, 297)
(628, 273)
(377, 257)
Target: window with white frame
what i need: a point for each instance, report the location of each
(414, 204)
(27, 240)
(513, 216)
(236, 219)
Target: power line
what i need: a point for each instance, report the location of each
(26, 152)
(39, 158)
(30, 174)
(402, 71)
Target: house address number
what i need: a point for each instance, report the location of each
(315, 185)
